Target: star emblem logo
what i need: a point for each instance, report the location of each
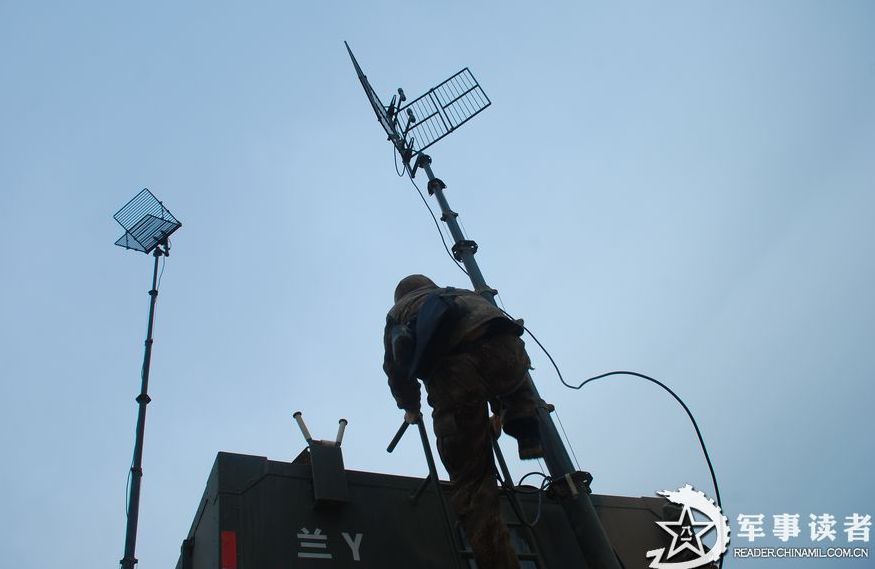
(686, 533)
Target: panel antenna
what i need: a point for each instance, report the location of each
(412, 127)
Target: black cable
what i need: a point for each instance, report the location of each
(682, 404)
(540, 492)
(532, 473)
(546, 480)
(652, 380)
(434, 218)
(676, 398)
(161, 274)
(409, 173)
(395, 158)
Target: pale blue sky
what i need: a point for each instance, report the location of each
(683, 189)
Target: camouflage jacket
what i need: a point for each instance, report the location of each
(477, 317)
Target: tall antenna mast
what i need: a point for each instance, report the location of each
(426, 120)
(148, 226)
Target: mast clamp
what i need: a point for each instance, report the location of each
(434, 185)
(570, 486)
(462, 247)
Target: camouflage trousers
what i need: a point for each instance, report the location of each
(491, 370)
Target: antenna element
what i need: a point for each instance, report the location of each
(430, 117)
(147, 223)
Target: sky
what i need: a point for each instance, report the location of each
(682, 189)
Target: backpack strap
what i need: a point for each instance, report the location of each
(436, 318)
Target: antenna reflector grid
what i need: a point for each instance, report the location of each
(146, 222)
(443, 109)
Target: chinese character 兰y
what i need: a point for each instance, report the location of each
(314, 541)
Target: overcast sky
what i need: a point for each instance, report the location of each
(683, 189)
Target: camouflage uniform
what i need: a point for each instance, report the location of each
(484, 360)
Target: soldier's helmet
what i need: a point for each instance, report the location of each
(411, 283)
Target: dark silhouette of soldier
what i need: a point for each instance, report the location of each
(468, 354)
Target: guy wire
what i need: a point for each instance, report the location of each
(567, 440)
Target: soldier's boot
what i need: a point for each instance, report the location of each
(525, 431)
(530, 448)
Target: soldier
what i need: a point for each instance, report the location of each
(468, 354)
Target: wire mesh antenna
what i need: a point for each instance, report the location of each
(443, 109)
(415, 126)
(146, 222)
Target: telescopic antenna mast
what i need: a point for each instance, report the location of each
(412, 127)
(148, 226)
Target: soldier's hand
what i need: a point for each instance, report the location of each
(412, 417)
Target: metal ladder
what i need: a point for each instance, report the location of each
(528, 560)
